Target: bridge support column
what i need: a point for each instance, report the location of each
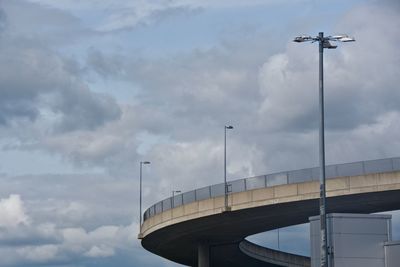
(203, 255)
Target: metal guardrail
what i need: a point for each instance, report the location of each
(263, 181)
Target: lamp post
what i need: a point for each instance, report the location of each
(324, 42)
(229, 127)
(140, 193)
(173, 196)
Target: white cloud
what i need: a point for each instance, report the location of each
(360, 78)
(12, 212)
(288, 89)
(74, 235)
(99, 243)
(98, 252)
(75, 244)
(74, 211)
(43, 253)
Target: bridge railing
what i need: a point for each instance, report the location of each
(281, 178)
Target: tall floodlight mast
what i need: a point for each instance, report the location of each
(324, 42)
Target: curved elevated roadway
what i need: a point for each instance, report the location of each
(198, 231)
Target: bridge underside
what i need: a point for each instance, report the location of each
(224, 232)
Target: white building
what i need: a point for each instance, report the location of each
(356, 240)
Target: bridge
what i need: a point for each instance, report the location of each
(196, 229)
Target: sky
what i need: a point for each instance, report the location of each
(88, 89)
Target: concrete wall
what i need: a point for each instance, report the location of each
(272, 256)
(273, 195)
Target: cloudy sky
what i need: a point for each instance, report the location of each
(88, 89)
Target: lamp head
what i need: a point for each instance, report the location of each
(229, 127)
(327, 44)
(341, 38)
(302, 38)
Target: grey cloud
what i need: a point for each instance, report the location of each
(42, 24)
(114, 16)
(24, 235)
(110, 66)
(36, 80)
(108, 146)
(122, 15)
(43, 94)
(391, 3)
(204, 88)
(3, 21)
(83, 109)
(17, 109)
(367, 84)
(185, 98)
(142, 15)
(270, 96)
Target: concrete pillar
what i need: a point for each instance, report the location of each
(203, 255)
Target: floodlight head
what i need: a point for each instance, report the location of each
(347, 39)
(328, 45)
(302, 38)
(342, 38)
(229, 127)
(145, 162)
(177, 191)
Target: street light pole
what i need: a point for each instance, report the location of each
(225, 184)
(140, 190)
(324, 42)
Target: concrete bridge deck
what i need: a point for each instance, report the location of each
(184, 232)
